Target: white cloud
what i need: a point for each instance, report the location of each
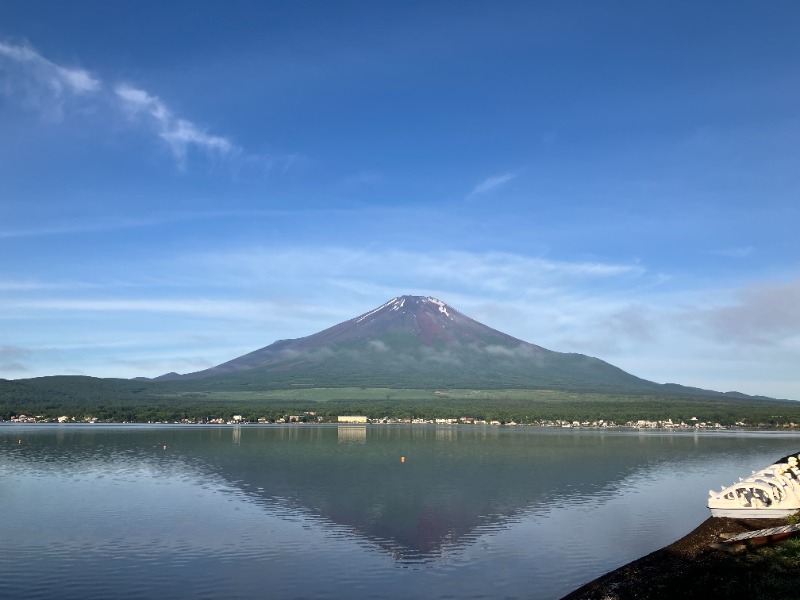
(113, 223)
(378, 346)
(59, 79)
(759, 314)
(398, 272)
(363, 179)
(42, 85)
(492, 183)
(11, 358)
(193, 306)
(24, 285)
(736, 251)
(39, 84)
(519, 352)
(83, 226)
(180, 134)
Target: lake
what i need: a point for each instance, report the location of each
(286, 512)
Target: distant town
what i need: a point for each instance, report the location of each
(311, 418)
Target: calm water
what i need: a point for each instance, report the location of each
(332, 512)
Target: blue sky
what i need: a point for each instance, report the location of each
(184, 182)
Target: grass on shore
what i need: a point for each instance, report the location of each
(768, 572)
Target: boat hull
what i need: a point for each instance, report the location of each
(753, 513)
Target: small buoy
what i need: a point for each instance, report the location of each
(402, 459)
(19, 441)
(165, 446)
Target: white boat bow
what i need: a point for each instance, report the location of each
(771, 493)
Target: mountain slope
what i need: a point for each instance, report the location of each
(415, 341)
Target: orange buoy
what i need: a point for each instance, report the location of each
(402, 459)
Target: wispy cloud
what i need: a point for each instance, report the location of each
(84, 226)
(363, 179)
(114, 223)
(176, 288)
(30, 285)
(180, 134)
(491, 184)
(488, 273)
(11, 358)
(736, 251)
(42, 85)
(759, 314)
(58, 78)
(184, 306)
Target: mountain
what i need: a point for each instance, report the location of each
(416, 342)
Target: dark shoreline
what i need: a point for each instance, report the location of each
(691, 568)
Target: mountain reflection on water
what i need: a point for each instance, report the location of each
(453, 484)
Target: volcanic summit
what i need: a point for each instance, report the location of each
(417, 342)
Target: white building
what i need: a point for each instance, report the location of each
(352, 419)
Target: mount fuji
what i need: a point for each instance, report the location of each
(416, 342)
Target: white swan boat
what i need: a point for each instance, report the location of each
(771, 493)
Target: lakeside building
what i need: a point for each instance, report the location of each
(352, 419)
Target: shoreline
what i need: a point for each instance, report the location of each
(691, 568)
